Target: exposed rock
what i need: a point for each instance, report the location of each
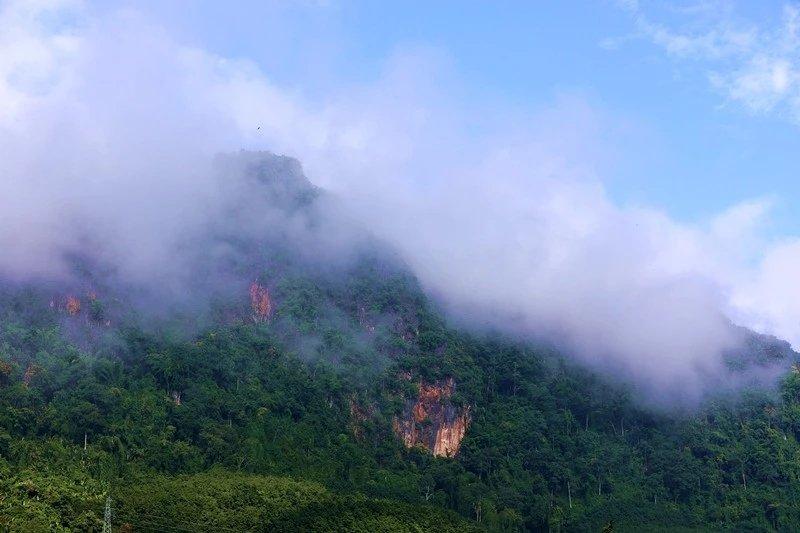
(260, 302)
(176, 397)
(73, 305)
(5, 371)
(30, 372)
(432, 421)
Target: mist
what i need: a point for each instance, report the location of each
(110, 135)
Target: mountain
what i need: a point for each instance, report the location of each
(285, 371)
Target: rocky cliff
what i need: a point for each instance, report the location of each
(432, 421)
(260, 302)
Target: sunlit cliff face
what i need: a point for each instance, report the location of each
(260, 302)
(432, 422)
(73, 305)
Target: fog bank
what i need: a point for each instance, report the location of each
(109, 129)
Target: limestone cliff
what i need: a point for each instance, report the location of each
(73, 305)
(260, 302)
(432, 421)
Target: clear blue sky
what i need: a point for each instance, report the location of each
(701, 152)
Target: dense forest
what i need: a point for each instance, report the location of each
(311, 394)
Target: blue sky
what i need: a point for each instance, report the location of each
(691, 151)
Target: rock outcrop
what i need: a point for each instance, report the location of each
(73, 305)
(432, 421)
(176, 397)
(260, 302)
(5, 371)
(30, 372)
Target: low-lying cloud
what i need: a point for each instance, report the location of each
(109, 127)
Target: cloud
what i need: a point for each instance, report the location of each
(773, 292)
(108, 127)
(757, 67)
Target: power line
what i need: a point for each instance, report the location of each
(124, 516)
(158, 526)
(166, 518)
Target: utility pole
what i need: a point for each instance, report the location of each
(569, 495)
(107, 516)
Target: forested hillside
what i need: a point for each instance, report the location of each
(285, 384)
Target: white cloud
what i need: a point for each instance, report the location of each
(110, 123)
(755, 66)
(770, 298)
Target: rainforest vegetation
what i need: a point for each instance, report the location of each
(274, 405)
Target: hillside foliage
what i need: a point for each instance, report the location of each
(266, 402)
(245, 423)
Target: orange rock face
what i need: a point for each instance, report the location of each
(30, 373)
(73, 305)
(260, 302)
(432, 421)
(5, 370)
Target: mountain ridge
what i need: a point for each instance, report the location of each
(278, 362)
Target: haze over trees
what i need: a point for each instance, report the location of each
(282, 381)
(523, 279)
